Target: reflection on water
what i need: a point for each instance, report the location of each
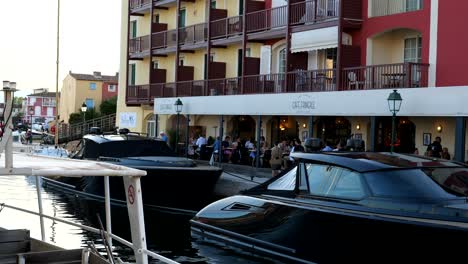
(167, 233)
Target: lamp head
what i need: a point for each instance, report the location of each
(84, 107)
(394, 102)
(178, 105)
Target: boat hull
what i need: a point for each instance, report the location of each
(188, 188)
(308, 234)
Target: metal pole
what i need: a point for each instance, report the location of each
(221, 132)
(259, 129)
(187, 130)
(57, 117)
(84, 120)
(108, 208)
(39, 201)
(177, 135)
(8, 129)
(393, 132)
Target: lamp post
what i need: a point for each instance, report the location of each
(178, 108)
(31, 113)
(394, 104)
(84, 108)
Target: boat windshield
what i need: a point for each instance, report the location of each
(127, 148)
(409, 183)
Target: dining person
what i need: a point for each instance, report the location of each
(227, 150)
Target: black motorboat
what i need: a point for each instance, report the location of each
(348, 207)
(170, 181)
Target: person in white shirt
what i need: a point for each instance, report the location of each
(201, 141)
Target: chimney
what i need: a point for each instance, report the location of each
(97, 74)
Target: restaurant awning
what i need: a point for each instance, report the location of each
(316, 39)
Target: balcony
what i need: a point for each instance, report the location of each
(314, 11)
(399, 75)
(139, 47)
(139, 6)
(226, 27)
(390, 7)
(390, 76)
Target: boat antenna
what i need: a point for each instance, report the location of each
(57, 116)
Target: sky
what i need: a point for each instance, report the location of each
(89, 40)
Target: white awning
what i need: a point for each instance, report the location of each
(316, 39)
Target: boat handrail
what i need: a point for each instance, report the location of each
(31, 165)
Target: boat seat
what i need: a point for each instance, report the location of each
(13, 242)
(55, 256)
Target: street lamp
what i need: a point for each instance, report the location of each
(84, 108)
(178, 108)
(394, 104)
(31, 113)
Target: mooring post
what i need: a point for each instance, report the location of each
(136, 217)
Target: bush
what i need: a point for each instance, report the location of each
(109, 106)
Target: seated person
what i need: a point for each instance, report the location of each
(225, 144)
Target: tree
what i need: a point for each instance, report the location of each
(75, 118)
(109, 106)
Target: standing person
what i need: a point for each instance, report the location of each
(276, 159)
(436, 148)
(225, 145)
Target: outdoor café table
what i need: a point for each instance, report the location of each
(394, 79)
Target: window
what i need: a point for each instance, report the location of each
(287, 182)
(92, 86)
(89, 103)
(133, 29)
(32, 100)
(412, 5)
(331, 181)
(282, 61)
(413, 47)
(156, 18)
(181, 61)
(213, 4)
(132, 74)
(37, 110)
(112, 88)
(248, 52)
(182, 15)
(155, 65)
(151, 126)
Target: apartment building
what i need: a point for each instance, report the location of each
(299, 68)
(40, 106)
(92, 89)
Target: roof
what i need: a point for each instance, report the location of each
(46, 94)
(95, 77)
(372, 161)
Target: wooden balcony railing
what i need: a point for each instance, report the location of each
(400, 75)
(226, 27)
(390, 7)
(266, 19)
(312, 11)
(134, 4)
(193, 34)
(139, 44)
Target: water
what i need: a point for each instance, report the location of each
(167, 233)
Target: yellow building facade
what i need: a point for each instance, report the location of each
(84, 88)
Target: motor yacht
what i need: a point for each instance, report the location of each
(348, 207)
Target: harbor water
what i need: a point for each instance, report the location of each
(168, 232)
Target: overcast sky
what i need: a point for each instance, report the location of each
(89, 40)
